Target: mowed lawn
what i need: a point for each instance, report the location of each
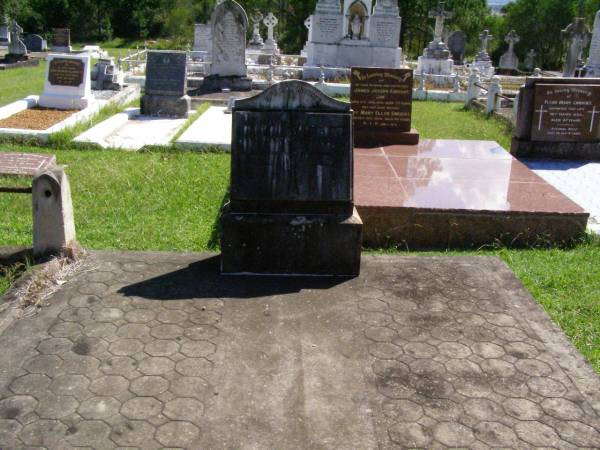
(171, 200)
(16, 84)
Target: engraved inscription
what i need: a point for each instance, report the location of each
(66, 72)
(566, 113)
(381, 99)
(166, 73)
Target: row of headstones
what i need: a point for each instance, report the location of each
(12, 35)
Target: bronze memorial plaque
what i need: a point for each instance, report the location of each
(382, 104)
(66, 72)
(566, 113)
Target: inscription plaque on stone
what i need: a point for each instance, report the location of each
(566, 113)
(382, 104)
(166, 73)
(61, 37)
(66, 72)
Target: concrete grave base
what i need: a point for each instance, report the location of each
(131, 131)
(120, 98)
(211, 130)
(316, 244)
(215, 83)
(158, 350)
(165, 106)
(559, 150)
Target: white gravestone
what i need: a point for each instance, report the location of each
(385, 24)
(256, 42)
(593, 63)
(509, 60)
(202, 39)
(483, 62)
(270, 21)
(229, 24)
(68, 82)
(577, 37)
(17, 46)
(436, 59)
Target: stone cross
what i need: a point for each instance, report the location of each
(577, 36)
(256, 18)
(511, 39)
(485, 37)
(270, 22)
(440, 15)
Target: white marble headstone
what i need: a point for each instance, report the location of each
(229, 24)
(68, 82)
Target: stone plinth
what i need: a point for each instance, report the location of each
(291, 209)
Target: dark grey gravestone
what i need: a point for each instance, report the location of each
(558, 118)
(166, 85)
(61, 39)
(35, 43)
(4, 35)
(291, 208)
(457, 43)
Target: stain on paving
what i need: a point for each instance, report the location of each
(154, 350)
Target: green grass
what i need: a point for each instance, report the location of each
(16, 84)
(170, 200)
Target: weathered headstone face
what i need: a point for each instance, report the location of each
(229, 25)
(327, 22)
(382, 104)
(35, 43)
(385, 24)
(61, 39)
(4, 35)
(67, 82)
(566, 113)
(202, 38)
(291, 209)
(166, 85)
(457, 43)
(593, 63)
(558, 118)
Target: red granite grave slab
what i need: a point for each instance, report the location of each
(458, 194)
(24, 164)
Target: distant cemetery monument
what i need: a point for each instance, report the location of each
(202, 42)
(68, 83)
(61, 40)
(436, 58)
(17, 51)
(357, 35)
(577, 37)
(291, 208)
(382, 103)
(457, 43)
(483, 61)
(558, 118)
(165, 92)
(509, 60)
(35, 43)
(4, 33)
(592, 68)
(228, 70)
(106, 76)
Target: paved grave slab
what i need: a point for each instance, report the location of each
(462, 194)
(24, 164)
(578, 180)
(154, 350)
(131, 131)
(212, 129)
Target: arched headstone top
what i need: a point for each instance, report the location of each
(292, 95)
(230, 6)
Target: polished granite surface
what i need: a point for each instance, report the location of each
(453, 175)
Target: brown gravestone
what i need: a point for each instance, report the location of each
(61, 37)
(558, 118)
(66, 72)
(382, 104)
(568, 113)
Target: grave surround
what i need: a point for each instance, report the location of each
(558, 118)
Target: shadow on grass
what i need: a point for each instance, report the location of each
(214, 243)
(203, 280)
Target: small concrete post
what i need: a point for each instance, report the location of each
(473, 91)
(53, 223)
(493, 99)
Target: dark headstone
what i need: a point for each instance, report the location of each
(291, 208)
(35, 43)
(66, 72)
(457, 43)
(382, 104)
(558, 118)
(4, 35)
(61, 37)
(166, 85)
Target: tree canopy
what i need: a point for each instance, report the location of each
(538, 22)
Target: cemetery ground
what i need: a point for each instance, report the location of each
(170, 200)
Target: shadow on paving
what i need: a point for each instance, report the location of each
(203, 279)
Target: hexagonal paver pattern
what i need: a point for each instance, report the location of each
(158, 350)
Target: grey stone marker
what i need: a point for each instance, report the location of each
(457, 43)
(105, 76)
(4, 33)
(509, 60)
(61, 40)
(530, 60)
(166, 85)
(577, 37)
(53, 223)
(291, 208)
(228, 69)
(256, 42)
(16, 49)
(35, 43)
(592, 68)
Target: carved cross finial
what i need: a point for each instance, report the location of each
(485, 37)
(270, 22)
(440, 15)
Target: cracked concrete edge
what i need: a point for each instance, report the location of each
(8, 310)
